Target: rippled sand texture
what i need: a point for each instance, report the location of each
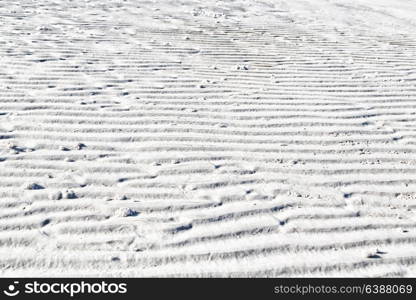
(208, 138)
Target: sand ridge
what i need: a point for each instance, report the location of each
(207, 138)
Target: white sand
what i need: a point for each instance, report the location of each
(208, 138)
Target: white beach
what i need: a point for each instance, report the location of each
(208, 138)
